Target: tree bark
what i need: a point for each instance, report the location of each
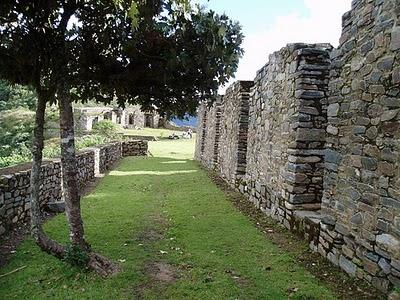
(69, 167)
(100, 264)
(42, 240)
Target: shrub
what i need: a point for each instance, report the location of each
(76, 256)
(105, 128)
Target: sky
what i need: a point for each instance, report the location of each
(268, 25)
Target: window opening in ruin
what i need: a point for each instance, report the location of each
(131, 119)
(149, 120)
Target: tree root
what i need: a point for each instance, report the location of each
(102, 265)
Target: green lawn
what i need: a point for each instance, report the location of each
(163, 212)
(157, 132)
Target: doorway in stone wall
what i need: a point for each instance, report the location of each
(149, 120)
(131, 119)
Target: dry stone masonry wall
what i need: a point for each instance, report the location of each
(109, 154)
(211, 138)
(134, 148)
(15, 186)
(201, 132)
(15, 191)
(323, 142)
(287, 130)
(233, 132)
(362, 178)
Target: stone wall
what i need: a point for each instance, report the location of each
(15, 186)
(233, 132)
(201, 132)
(211, 141)
(109, 155)
(134, 148)
(323, 150)
(362, 178)
(287, 130)
(85, 166)
(15, 191)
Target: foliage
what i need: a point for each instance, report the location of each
(75, 256)
(105, 128)
(20, 156)
(218, 252)
(16, 130)
(174, 57)
(16, 127)
(16, 96)
(51, 150)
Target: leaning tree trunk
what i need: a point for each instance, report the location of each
(69, 167)
(44, 242)
(97, 263)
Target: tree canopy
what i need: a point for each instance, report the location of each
(152, 53)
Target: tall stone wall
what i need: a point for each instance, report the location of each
(211, 140)
(323, 149)
(201, 131)
(287, 130)
(233, 132)
(15, 186)
(362, 179)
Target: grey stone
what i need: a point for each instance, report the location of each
(332, 156)
(333, 110)
(386, 63)
(328, 220)
(55, 207)
(357, 219)
(396, 75)
(332, 130)
(307, 134)
(395, 39)
(389, 115)
(347, 265)
(388, 243)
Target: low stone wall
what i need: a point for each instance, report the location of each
(15, 193)
(134, 148)
(109, 155)
(15, 187)
(85, 166)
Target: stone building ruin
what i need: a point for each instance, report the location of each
(131, 117)
(314, 142)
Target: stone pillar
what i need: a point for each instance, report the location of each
(287, 131)
(212, 135)
(233, 132)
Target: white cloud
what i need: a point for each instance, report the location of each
(322, 25)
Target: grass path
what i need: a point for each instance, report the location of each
(175, 235)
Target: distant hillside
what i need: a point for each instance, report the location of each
(191, 121)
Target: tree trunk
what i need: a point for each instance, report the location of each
(69, 167)
(43, 241)
(97, 263)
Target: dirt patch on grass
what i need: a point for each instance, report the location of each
(333, 277)
(159, 276)
(162, 272)
(150, 236)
